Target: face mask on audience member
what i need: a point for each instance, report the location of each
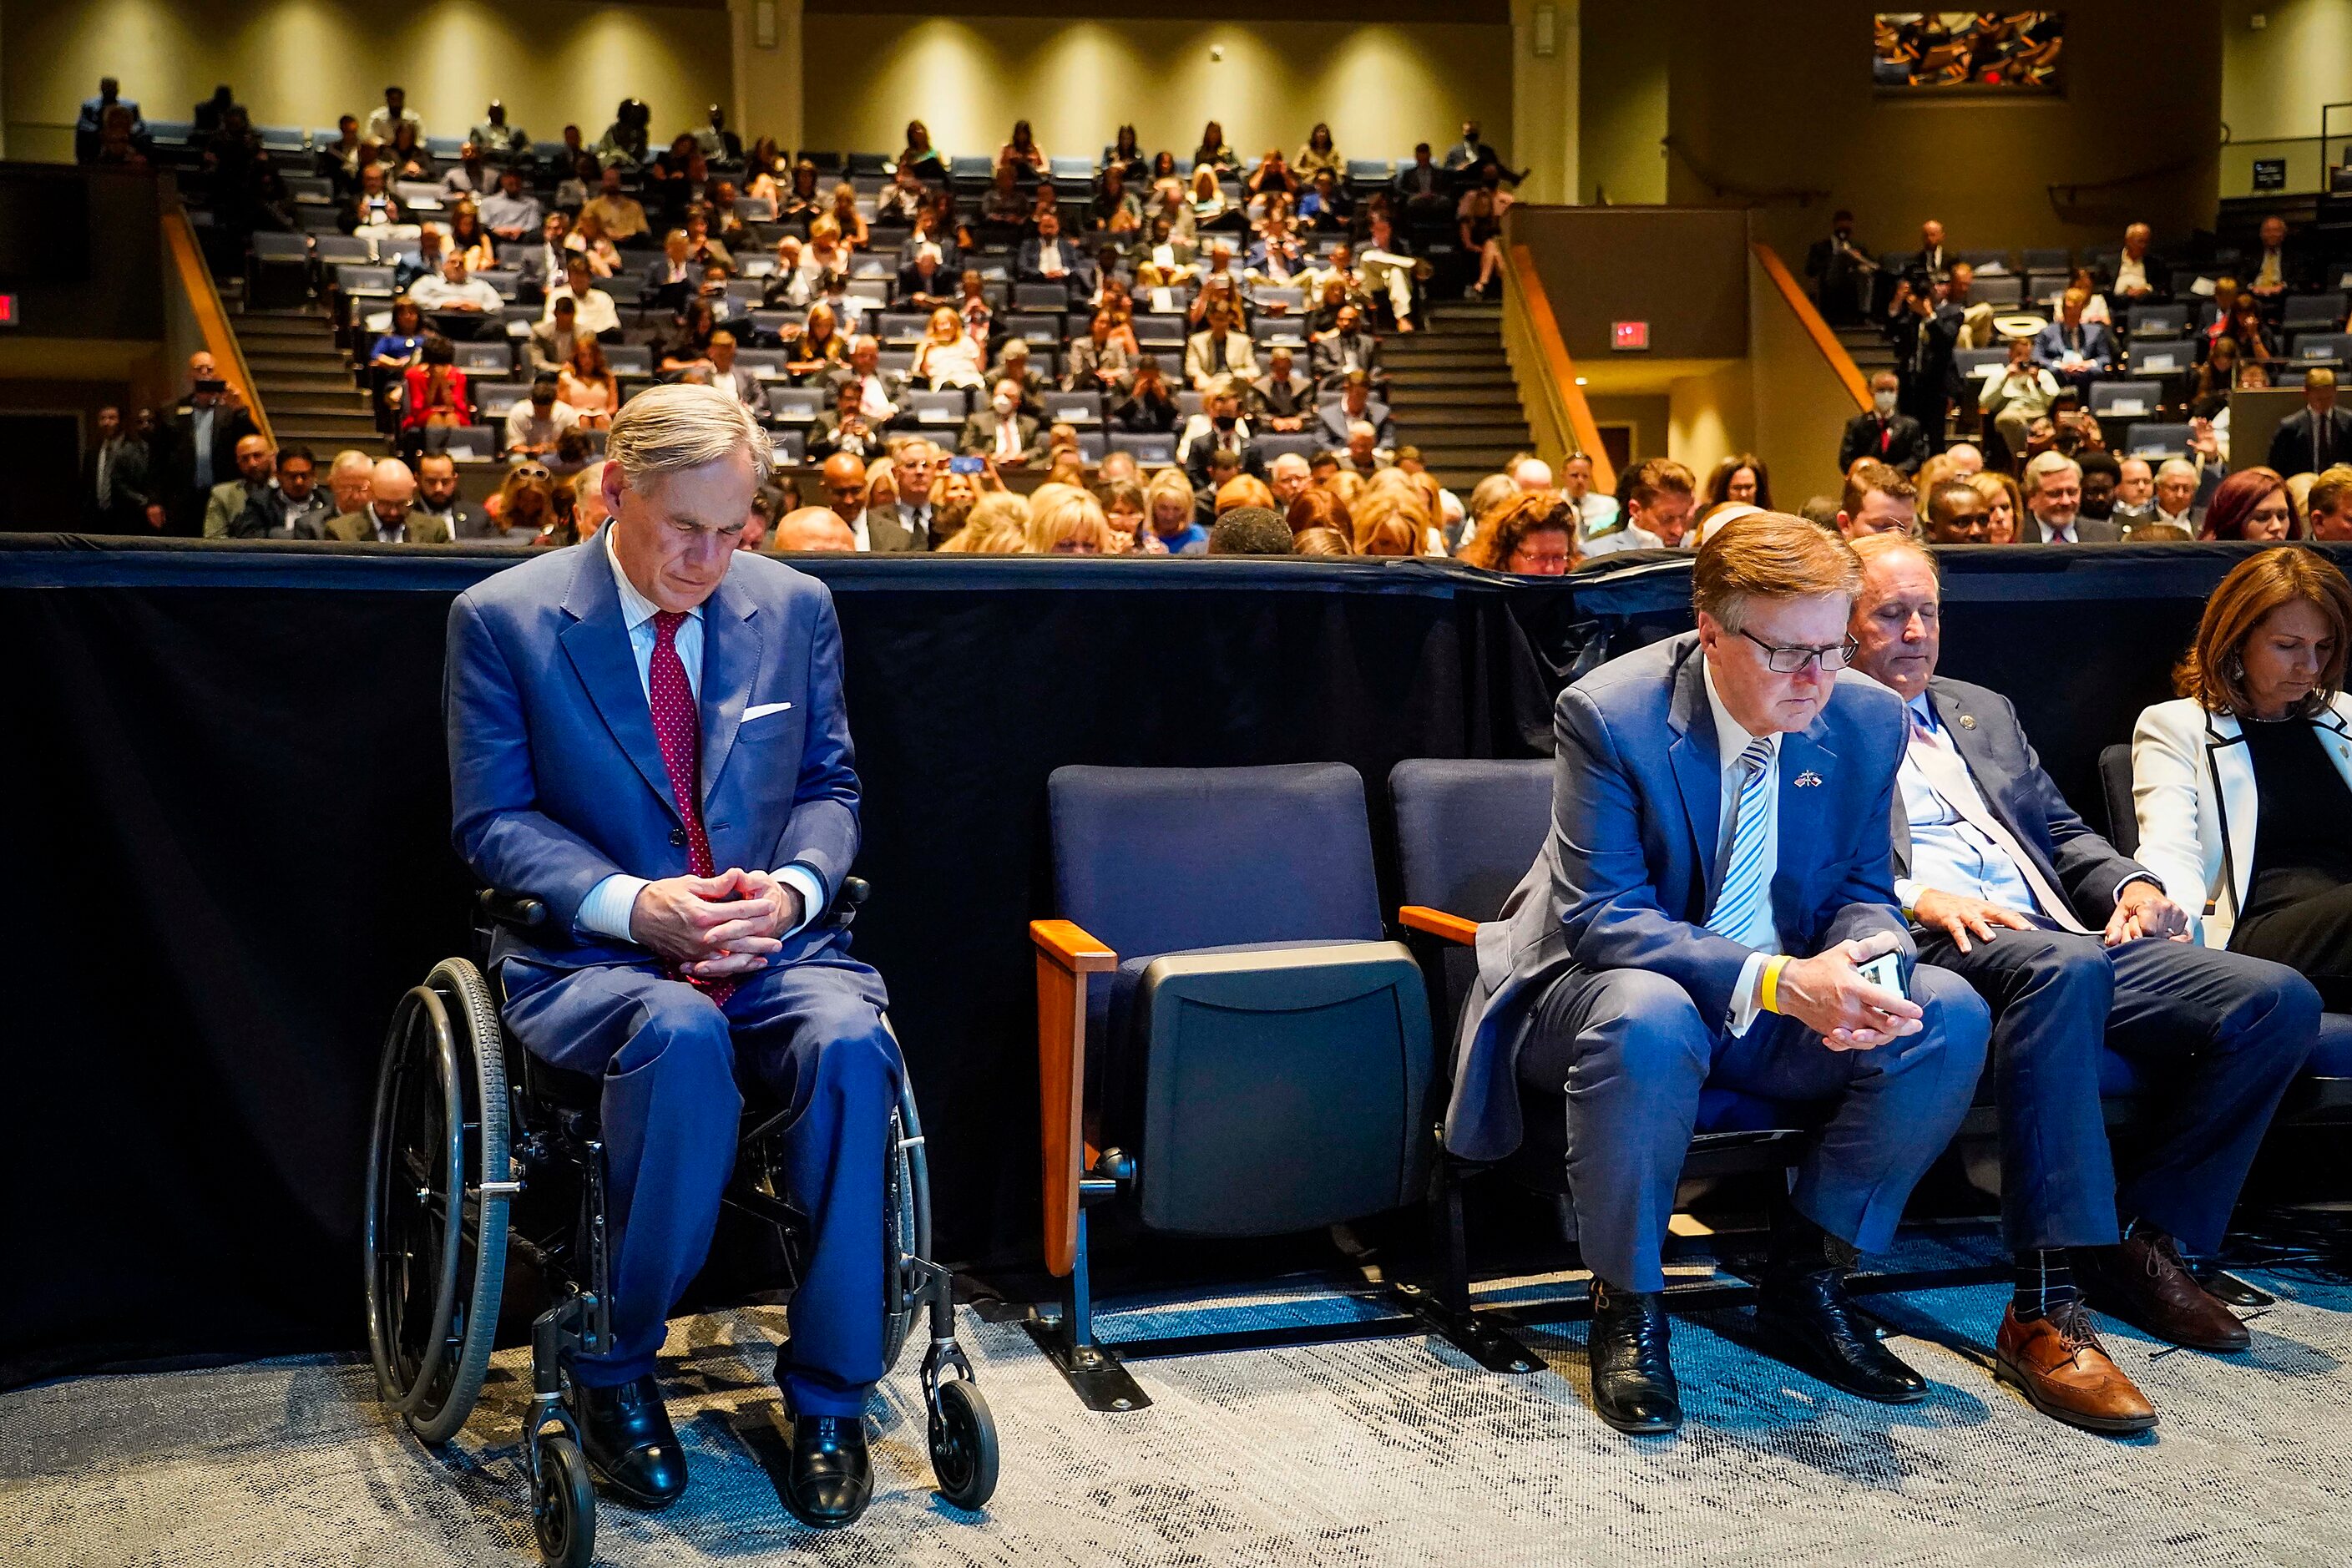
(1225, 420)
(1884, 401)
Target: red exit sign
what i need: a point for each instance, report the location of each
(1624, 335)
(8, 310)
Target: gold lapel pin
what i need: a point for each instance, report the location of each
(1968, 721)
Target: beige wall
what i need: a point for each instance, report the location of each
(2274, 80)
(1779, 98)
(1623, 109)
(1382, 87)
(302, 62)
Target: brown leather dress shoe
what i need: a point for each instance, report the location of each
(2143, 1281)
(2058, 1363)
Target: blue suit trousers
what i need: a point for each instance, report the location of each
(1632, 1053)
(2216, 1038)
(811, 1034)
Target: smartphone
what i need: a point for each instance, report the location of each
(210, 385)
(1885, 972)
(967, 466)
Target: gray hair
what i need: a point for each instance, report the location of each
(2177, 466)
(680, 425)
(2048, 463)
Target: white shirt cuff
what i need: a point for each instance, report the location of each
(1747, 994)
(606, 908)
(810, 889)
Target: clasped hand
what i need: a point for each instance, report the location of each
(713, 927)
(1828, 994)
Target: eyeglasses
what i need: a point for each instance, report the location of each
(1789, 660)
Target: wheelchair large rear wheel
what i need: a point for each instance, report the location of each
(901, 1243)
(438, 1188)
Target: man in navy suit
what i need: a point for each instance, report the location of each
(1715, 873)
(2075, 945)
(2075, 351)
(647, 732)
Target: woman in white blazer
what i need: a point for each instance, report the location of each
(2242, 784)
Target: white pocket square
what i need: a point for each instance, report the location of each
(763, 709)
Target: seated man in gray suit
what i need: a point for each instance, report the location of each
(2075, 946)
(1715, 877)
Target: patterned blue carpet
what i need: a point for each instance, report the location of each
(1384, 1451)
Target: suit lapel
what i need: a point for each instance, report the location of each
(1698, 771)
(597, 643)
(1803, 754)
(732, 652)
(2241, 801)
(1969, 736)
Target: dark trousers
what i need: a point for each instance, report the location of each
(812, 1033)
(2220, 1036)
(2312, 937)
(1632, 1052)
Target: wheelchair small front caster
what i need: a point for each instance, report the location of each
(963, 1444)
(563, 1503)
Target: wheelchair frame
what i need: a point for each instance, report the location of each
(464, 1130)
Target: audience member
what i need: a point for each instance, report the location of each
(199, 446)
(2019, 394)
(2318, 436)
(390, 516)
(1655, 503)
(2258, 727)
(808, 530)
(876, 529)
(438, 496)
(1957, 514)
(2135, 275)
(434, 399)
(2251, 503)
(1002, 432)
(453, 289)
(1533, 533)
(2076, 352)
(1878, 498)
(1064, 519)
(1334, 420)
(229, 499)
(586, 383)
(1741, 477)
(1249, 530)
(2101, 474)
(1149, 407)
(1892, 438)
(535, 423)
(117, 489)
(1842, 273)
(1984, 847)
(289, 506)
(2327, 509)
(1925, 327)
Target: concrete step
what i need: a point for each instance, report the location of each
(266, 365)
(345, 430)
(280, 401)
(284, 381)
(1502, 396)
(1449, 417)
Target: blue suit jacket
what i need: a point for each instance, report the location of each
(1985, 731)
(556, 781)
(1625, 875)
(2099, 345)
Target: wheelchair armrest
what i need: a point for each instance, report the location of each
(1437, 923)
(516, 911)
(1066, 956)
(855, 891)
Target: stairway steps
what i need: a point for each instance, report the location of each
(322, 381)
(347, 430)
(277, 400)
(325, 361)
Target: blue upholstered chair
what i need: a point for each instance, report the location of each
(1226, 1038)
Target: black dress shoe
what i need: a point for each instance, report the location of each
(831, 1480)
(1633, 1380)
(1814, 1322)
(626, 1433)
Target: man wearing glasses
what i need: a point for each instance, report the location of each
(1700, 915)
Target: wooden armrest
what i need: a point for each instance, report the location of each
(1437, 923)
(1067, 946)
(1066, 956)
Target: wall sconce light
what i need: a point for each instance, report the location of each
(763, 23)
(1547, 31)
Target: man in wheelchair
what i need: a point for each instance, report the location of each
(646, 735)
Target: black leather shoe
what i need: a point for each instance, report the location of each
(831, 1480)
(1815, 1324)
(1633, 1380)
(626, 1435)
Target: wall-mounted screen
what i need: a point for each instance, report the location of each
(1960, 51)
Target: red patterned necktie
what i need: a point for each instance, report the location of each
(677, 727)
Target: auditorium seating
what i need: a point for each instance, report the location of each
(1227, 1039)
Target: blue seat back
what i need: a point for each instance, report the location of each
(1467, 829)
(1154, 860)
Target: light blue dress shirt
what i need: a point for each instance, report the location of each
(606, 908)
(1948, 852)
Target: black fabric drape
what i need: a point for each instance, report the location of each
(228, 817)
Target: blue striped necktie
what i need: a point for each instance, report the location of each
(1746, 881)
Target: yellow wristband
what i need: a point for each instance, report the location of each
(1768, 993)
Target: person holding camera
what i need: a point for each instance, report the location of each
(2075, 946)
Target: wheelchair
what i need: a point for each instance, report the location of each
(479, 1153)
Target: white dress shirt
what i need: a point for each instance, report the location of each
(592, 312)
(1730, 741)
(860, 532)
(606, 908)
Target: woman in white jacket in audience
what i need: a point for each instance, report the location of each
(2242, 784)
